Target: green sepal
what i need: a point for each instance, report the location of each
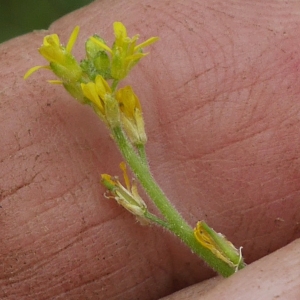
(74, 89)
(70, 70)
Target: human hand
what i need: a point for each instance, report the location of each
(220, 94)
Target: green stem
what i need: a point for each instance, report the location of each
(156, 220)
(176, 223)
(142, 153)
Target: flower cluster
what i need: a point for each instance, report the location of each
(94, 80)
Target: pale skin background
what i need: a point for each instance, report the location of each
(221, 99)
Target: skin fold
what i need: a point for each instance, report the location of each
(220, 94)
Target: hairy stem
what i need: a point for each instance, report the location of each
(175, 222)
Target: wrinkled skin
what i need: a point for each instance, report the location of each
(221, 99)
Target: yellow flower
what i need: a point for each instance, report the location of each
(104, 103)
(96, 91)
(62, 62)
(131, 116)
(125, 53)
(127, 196)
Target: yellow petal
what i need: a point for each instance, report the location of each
(55, 81)
(136, 56)
(102, 86)
(125, 175)
(52, 53)
(72, 39)
(128, 101)
(51, 40)
(100, 44)
(146, 43)
(119, 30)
(34, 69)
(90, 92)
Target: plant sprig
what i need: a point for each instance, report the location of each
(94, 81)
